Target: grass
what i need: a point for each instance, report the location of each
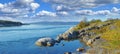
(109, 33)
(113, 36)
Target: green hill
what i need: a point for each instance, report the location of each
(4, 23)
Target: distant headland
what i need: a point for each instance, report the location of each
(7, 23)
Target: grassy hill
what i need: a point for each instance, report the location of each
(110, 35)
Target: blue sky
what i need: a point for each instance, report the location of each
(58, 10)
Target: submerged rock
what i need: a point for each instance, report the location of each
(63, 45)
(67, 53)
(45, 42)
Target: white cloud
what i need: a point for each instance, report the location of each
(18, 8)
(102, 12)
(115, 10)
(34, 6)
(63, 8)
(46, 13)
(62, 13)
(1, 6)
(77, 4)
(84, 12)
(25, 1)
(90, 12)
(26, 16)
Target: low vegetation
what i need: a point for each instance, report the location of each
(110, 33)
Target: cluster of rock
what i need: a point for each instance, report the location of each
(71, 34)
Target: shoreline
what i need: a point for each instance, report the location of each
(93, 40)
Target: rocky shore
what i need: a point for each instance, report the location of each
(91, 39)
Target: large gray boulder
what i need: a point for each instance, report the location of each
(69, 34)
(45, 42)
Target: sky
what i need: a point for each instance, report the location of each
(58, 10)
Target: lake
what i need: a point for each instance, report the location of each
(21, 40)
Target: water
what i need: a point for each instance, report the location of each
(20, 40)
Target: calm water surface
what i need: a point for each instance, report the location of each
(20, 40)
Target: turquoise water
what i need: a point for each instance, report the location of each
(20, 40)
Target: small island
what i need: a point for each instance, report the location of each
(6, 23)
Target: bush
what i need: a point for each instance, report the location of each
(82, 25)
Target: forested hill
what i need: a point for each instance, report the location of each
(5, 23)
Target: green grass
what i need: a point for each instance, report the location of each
(112, 36)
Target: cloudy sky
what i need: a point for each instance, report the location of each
(58, 10)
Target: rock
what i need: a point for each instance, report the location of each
(105, 24)
(92, 33)
(49, 44)
(75, 33)
(81, 31)
(80, 49)
(100, 26)
(70, 35)
(66, 36)
(67, 53)
(59, 38)
(63, 45)
(82, 34)
(40, 43)
(45, 42)
(90, 41)
(89, 28)
(98, 37)
(85, 39)
(97, 27)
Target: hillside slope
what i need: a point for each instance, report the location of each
(106, 38)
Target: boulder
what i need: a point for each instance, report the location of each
(85, 39)
(81, 30)
(45, 42)
(98, 37)
(100, 26)
(70, 35)
(63, 44)
(89, 28)
(59, 38)
(67, 53)
(80, 49)
(90, 41)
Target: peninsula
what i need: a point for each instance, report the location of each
(6, 23)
